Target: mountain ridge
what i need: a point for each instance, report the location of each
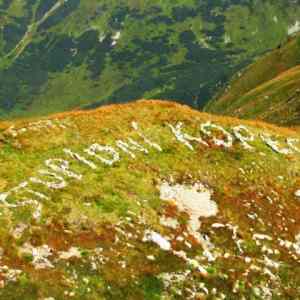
(90, 53)
(267, 89)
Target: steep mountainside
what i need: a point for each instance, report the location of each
(58, 55)
(148, 201)
(269, 89)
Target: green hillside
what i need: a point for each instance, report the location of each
(268, 89)
(59, 55)
(148, 200)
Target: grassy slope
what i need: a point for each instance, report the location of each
(167, 49)
(253, 190)
(268, 89)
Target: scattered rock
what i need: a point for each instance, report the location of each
(73, 252)
(162, 242)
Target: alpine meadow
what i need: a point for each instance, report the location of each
(149, 150)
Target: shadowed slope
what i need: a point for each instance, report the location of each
(268, 89)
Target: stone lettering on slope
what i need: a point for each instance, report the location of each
(57, 184)
(23, 200)
(274, 145)
(21, 188)
(239, 132)
(62, 166)
(80, 158)
(130, 146)
(94, 149)
(37, 126)
(291, 142)
(59, 167)
(218, 142)
(135, 126)
(185, 138)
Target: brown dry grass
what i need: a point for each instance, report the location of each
(109, 112)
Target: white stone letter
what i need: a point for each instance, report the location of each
(131, 146)
(62, 166)
(80, 158)
(184, 137)
(135, 126)
(274, 145)
(93, 149)
(227, 144)
(21, 188)
(59, 184)
(249, 137)
(291, 142)
(24, 201)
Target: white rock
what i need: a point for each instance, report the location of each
(18, 231)
(63, 167)
(169, 222)
(238, 132)
(294, 28)
(135, 126)
(194, 200)
(71, 253)
(258, 236)
(130, 146)
(274, 145)
(297, 193)
(185, 138)
(151, 257)
(39, 255)
(152, 236)
(95, 148)
(218, 142)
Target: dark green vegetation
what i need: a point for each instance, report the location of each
(56, 55)
(269, 89)
(254, 238)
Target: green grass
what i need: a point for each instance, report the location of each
(167, 50)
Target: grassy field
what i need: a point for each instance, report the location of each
(88, 238)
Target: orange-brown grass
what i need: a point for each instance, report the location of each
(110, 113)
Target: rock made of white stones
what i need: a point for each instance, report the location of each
(135, 126)
(62, 166)
(291, 142)
(59, 182)
(80, 158)
(274, 145)
(227, 143)
(94, 149)
(244, 139)
(185, 138)
(130, 146)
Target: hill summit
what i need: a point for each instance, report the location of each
(148, 200)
